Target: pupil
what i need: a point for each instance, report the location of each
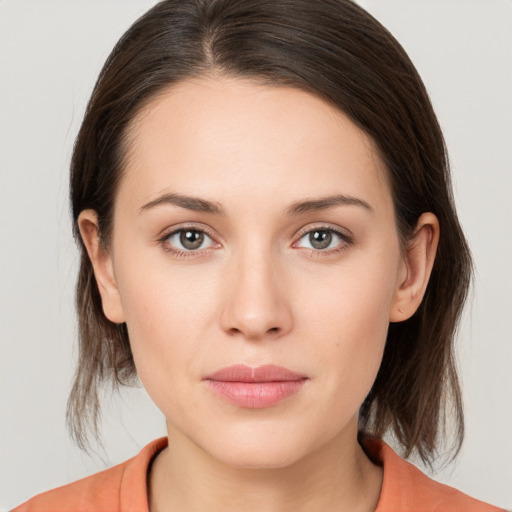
(320, 239)
(191, 239)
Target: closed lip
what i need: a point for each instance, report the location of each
(265, 373)
(255, 388)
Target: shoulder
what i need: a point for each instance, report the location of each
(96, 492)
(120, 488)
(405, 488)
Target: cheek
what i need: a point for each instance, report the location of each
(348, 320)
(167, 315)
(351, 302)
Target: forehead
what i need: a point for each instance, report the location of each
(221, 135)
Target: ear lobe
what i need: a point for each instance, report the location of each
(101, 260)
(416, 268)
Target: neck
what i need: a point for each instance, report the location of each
(337, 476)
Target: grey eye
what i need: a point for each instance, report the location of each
(320, 238)
(189, 240)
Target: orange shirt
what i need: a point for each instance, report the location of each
(123, 488)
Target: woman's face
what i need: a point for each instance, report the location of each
(254, 226)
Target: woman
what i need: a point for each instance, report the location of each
(262, 198)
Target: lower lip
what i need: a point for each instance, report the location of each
(256, 395)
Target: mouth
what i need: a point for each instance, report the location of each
(255, 388)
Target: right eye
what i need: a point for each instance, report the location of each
(187, 240)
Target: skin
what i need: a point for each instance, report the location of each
(257, 291)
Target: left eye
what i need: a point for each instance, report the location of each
(321, 239)
(189, 240)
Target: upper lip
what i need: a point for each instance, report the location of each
(265, 373)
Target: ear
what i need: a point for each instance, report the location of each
(415, 268)
(101, 260)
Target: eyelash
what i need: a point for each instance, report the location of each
(183, 253)
(345, 242)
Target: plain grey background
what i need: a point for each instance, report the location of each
(51, 53)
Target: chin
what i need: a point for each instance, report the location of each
(259, 456)
(260, 446)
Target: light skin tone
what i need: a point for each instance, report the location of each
(272, 272)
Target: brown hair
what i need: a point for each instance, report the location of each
(337, 51)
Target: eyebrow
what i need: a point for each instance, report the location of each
(324, 203)
(188, 202)
(297, 208)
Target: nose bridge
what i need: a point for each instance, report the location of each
(256, 303)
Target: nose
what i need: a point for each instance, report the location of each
(255, 301)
